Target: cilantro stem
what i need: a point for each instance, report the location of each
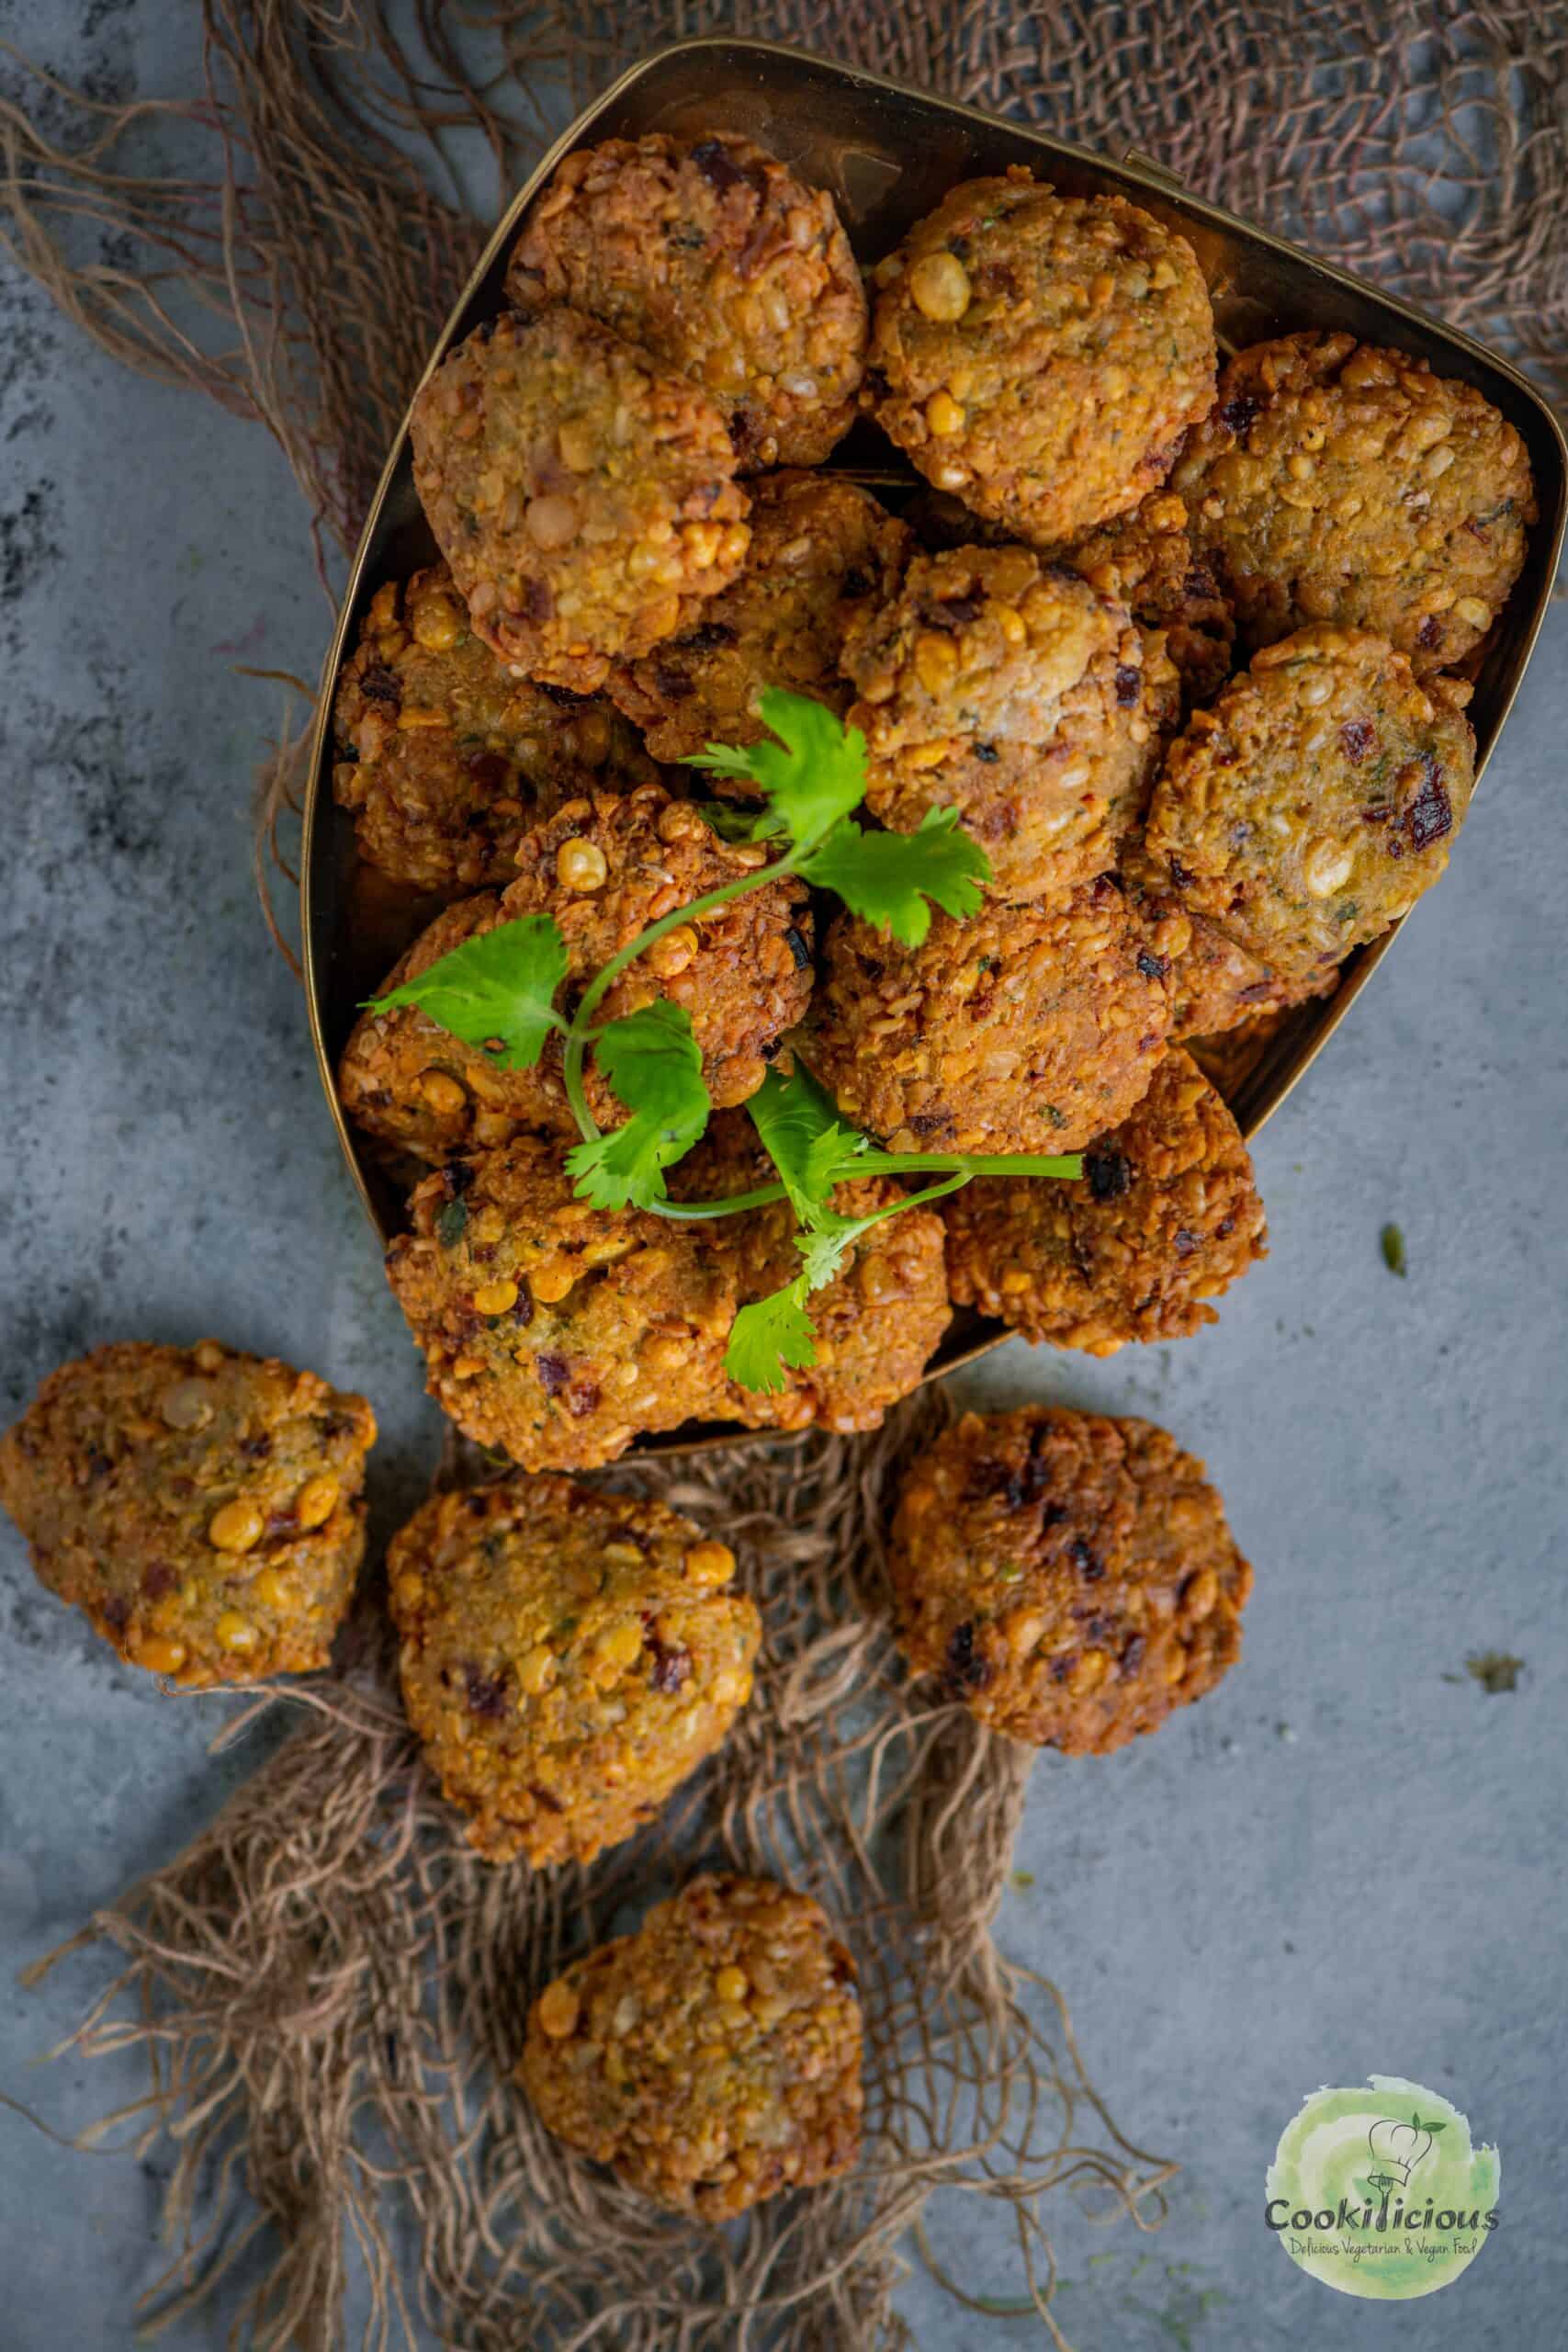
(1007, 1163)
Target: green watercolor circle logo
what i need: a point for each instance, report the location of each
(1379, 2192)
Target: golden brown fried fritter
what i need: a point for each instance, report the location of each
(568, 1657)
(1148, 560)
(821, 549)
(1071, 1579)
(718, 262)
(1315, 802)
(556, 1332)
(585, 502)
(203, 1508)
(1335, 481)
(603, 870)
(877, 1323)
(713, 2058)
(1030, 1028)
(1040, 354)
(445, 757)
(1165, 1218)
(1017, 694)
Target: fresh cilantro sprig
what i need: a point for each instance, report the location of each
(497, 992)
(810, 778)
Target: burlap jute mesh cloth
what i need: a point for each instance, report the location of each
(327, 1988)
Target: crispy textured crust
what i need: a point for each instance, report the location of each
(1334, 481)
(743, 972)
(586, 502)
(1166, 1217)
(1148, 560)
(821, 549)
(878, 1322)
(1040, 354)
(616, 1323)
(1220, 986)
(568, 1657)
(1030, 1028)
(1316, 801)
(713, 2058)
(445, 758)
(1017, 694)
(1071, 1579)
(724, 268)
(202, 1509)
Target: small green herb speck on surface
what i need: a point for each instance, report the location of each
(1394, 1249)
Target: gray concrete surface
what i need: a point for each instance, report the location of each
(1350, 1859)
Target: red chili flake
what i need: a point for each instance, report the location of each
(1129, 683)
(1356, 738)
(379, 684)
(1237, 413)
(1131, 1657)
(535, 600)
(157, 1578)
(489, 770)
(486, 1694)
(1062, 1666)
(1430, 632)
(967, 1668)
(669, 1670)
(582, 1398)
(554, 1374)
(1110, 1174)
(671, 683)
(717, 166)
(1430, 814)
(116, 1611)
(1183, 1242)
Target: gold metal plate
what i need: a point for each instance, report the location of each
(889, 154)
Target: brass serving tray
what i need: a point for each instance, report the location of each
(889, 153)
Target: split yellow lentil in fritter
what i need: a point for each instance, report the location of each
(445, 757)
(877, 1323)
(1017, 695)
(713, 257)
(604, 870)
(1316, 801)
(568, 1657)
(821, 549)
(1335, 481)
(712, 2058)
(556, 1332)
(1070, 1578)
(1165, 1218)
(1148, 560)
(1040, 354)
(585, 502)
(1029, 1028)
(203, 1508)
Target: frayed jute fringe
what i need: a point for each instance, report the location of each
(330, 1990)
(327, 1989)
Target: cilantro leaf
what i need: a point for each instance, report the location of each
(811, 776)
(494, 992)
(652, 1064)
(803, 1138)
(766, 1336)
(888, 879)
